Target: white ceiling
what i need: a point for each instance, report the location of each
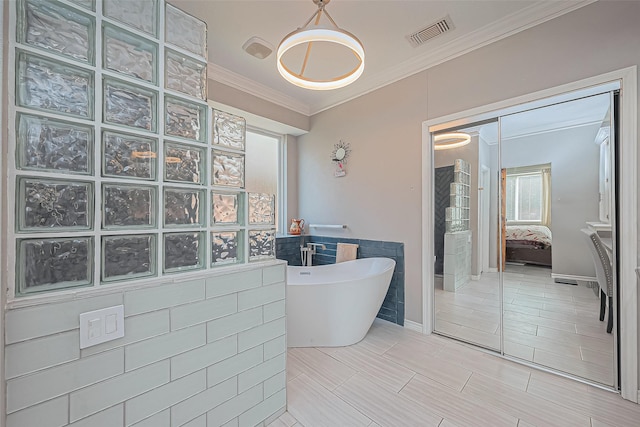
(382, 26)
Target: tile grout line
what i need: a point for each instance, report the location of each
(407, 383)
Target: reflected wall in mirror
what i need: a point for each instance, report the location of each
(551, 163)
(467, 289)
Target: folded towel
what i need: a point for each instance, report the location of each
(346, 252)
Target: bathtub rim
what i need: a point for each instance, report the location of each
(293, 269)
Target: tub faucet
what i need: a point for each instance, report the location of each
(314, 246)
(307, 253)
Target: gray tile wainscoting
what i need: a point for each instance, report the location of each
(392, 310)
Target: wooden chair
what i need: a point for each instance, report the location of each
(604, 273)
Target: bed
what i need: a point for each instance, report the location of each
(528, 244)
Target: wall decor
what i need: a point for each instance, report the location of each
(339, 155)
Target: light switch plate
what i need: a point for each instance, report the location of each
(102, 325)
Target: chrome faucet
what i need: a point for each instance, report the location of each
(314, 246)
(307, 253)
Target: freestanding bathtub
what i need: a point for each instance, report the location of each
(335, 305)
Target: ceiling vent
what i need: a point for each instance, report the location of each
(434, 30)
(258, 47)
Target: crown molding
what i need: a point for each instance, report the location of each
(524, 19)
(240, 82)
(561, 126)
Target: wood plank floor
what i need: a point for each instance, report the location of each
(552, 324)
(396, 377)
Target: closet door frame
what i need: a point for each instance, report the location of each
(626, 81)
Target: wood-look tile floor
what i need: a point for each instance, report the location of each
(552, 324)
(396, 377)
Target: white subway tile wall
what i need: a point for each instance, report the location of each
(188, 358)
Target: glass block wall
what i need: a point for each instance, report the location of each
(121, 170)
(457, 214)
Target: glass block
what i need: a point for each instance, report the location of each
(54, 145)
(127, 257)
(262, 244)
(139, 14)
(262, 208)
(462, 177)
(185, 119)
(227, 247)
(128, 206)
(183, 251)
(454, 226)
(89, 4)
(129, 156)
(129, 54)
(129, 105)
(185, 75)
(46, 204)
(47, 264)
(456, 188)
(227, 208)
(185, 31)
(461, 165)
(229, 130)
(49, 85)
(183, 207)
(228, 169)
(452, 213)
(183, 163)
(58, 28)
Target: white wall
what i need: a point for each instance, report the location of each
(574, 159)
(291, 162)
(380, 198)
(488, 158)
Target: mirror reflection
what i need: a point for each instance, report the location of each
(555, 178)
(529, 203)
(467, 288)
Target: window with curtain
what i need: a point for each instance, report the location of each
(528, 195)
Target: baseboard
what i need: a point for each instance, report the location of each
(493, 270)
(573, 277)
(476, 277)
(414, 326)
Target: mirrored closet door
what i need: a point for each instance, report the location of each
(524, 235)
(556, 171)
(467, 286)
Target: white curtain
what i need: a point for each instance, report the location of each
(546, 197)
